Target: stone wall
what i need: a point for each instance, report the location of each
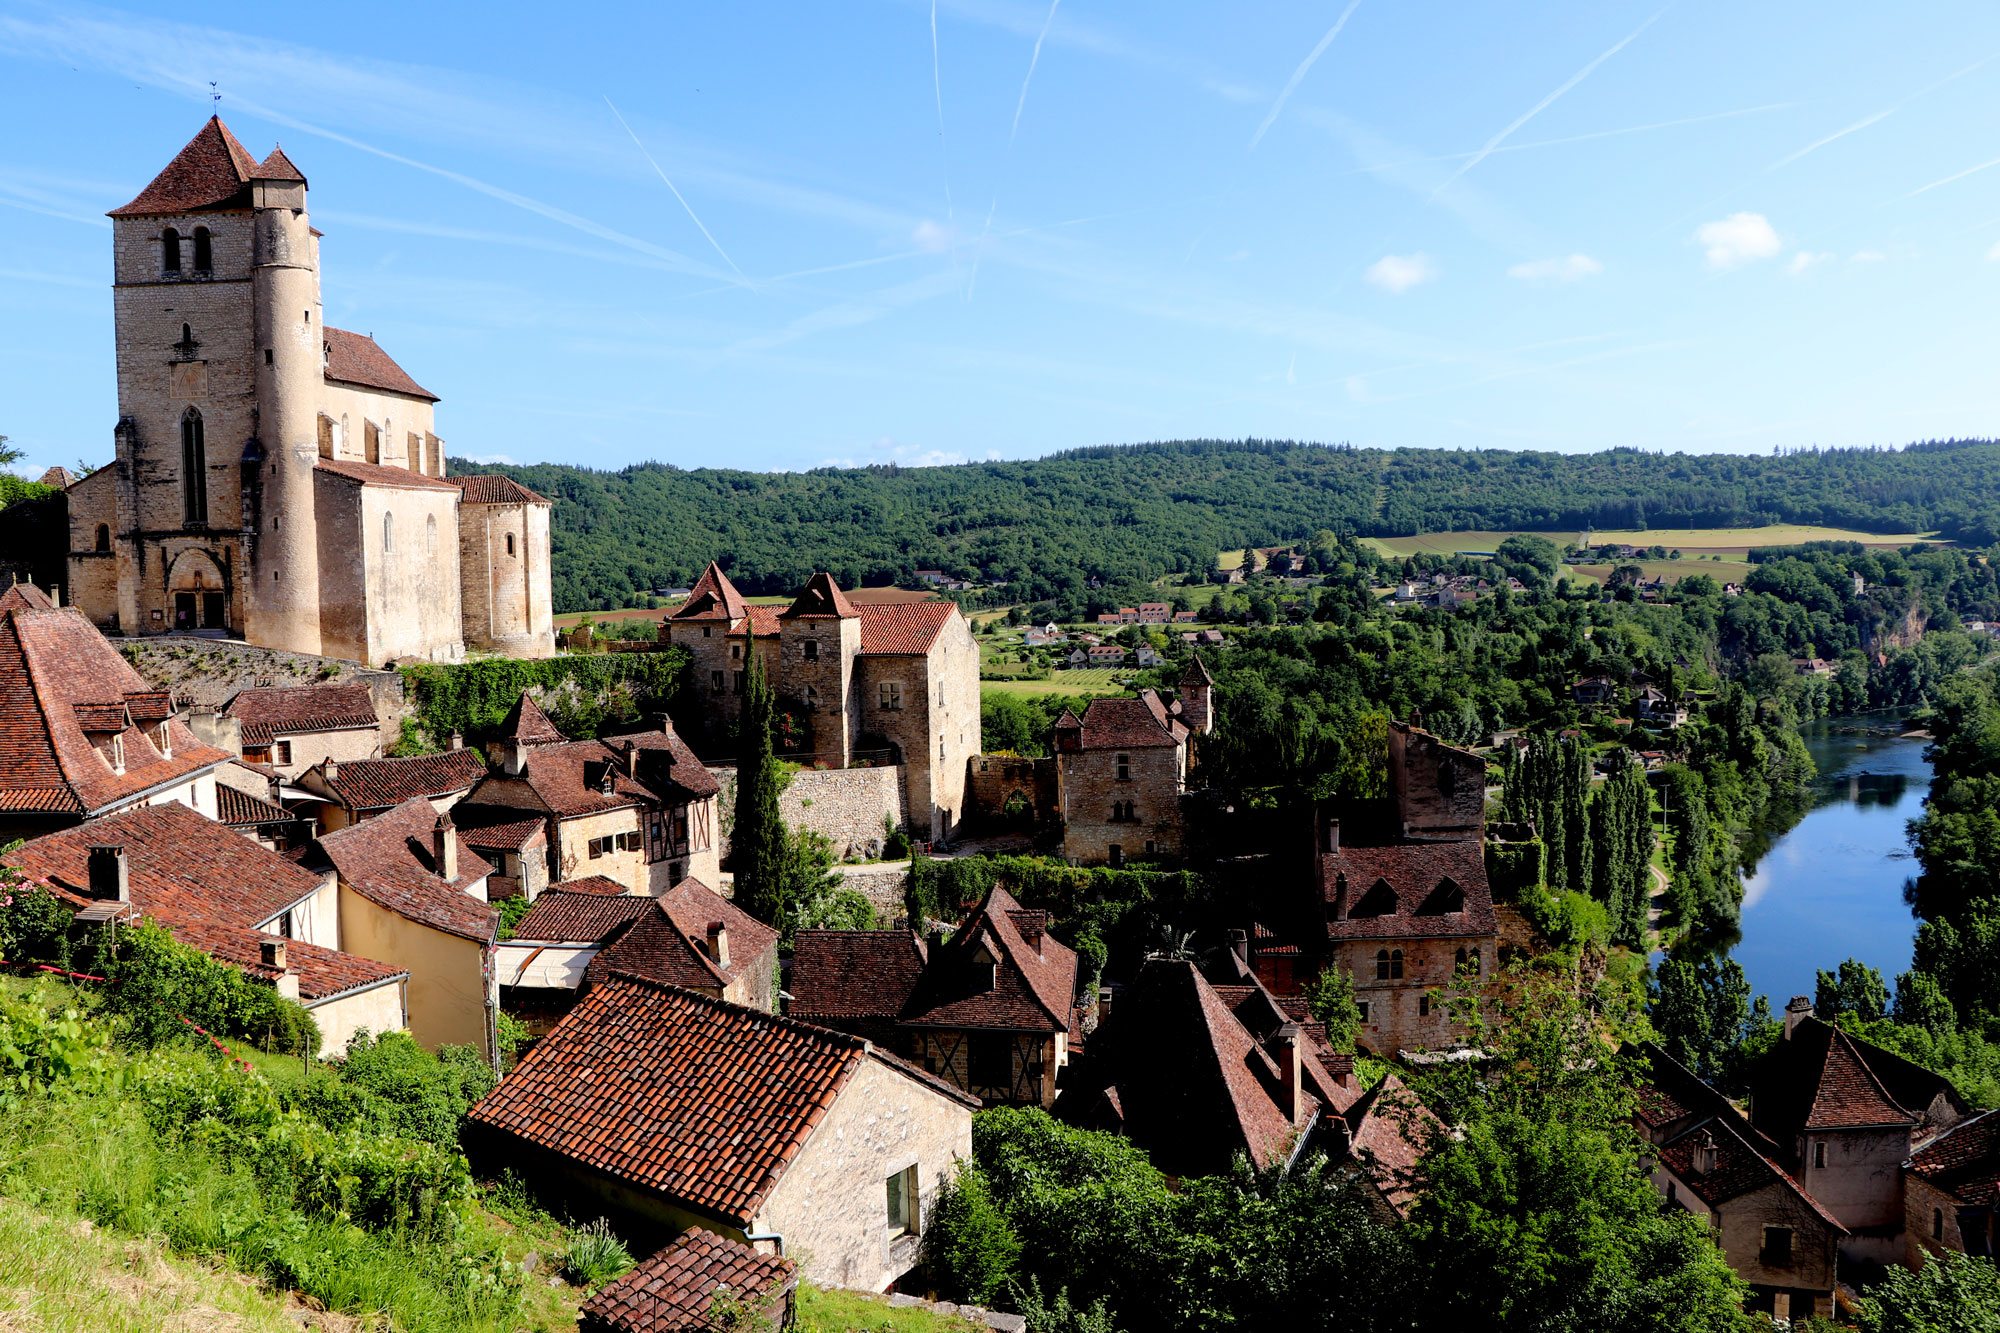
(1408, 1012)
(993, 778)
(847, 805)
(881, 885)
(1440, 790)
(1092, 790)
(208, 673)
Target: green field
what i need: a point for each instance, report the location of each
(1673, 571)
(1689, 541)
(1085, 680)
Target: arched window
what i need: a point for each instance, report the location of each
(204, 254)
(103, 537)
(170, 251)
(1474, 960)
(510, 543)
(1381, 965)
(194, 469)
(388, 533)
(1395, 964)
(431, 535)
(1461, 958)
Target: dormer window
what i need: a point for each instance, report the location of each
(170, 252)
(204, 253)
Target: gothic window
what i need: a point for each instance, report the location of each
(194, 469)
(103, 537)
(1461, 958)
(170, 251)
(1381, 965)
(204, 255)
(388, 533)
(430, 535)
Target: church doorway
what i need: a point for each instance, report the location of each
(199, 593)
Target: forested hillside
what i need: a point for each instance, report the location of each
(1135, 512)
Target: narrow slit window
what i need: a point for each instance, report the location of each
(194, 469)
(204, 252)
(170, 251)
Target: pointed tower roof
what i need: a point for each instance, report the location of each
(1068, 721)
(714, 597)
(527, 724)
(821, 597)
(1196, 672)
(25, 597)
(213, 171)
(278, 167)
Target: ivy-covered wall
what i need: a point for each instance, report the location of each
(584, 694)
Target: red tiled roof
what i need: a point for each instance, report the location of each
(324, 974)
(903, 629)
(1964, 1161)
(355, 358)
(512, 835)
(1388, 1132)
(821, 597)
(674, 1291)
(1738, 1169)
(388, 860)
(1401, 889)
(703, 1102)
(51, 662)
(579, 918)
(288, 710)
(1823, 1078)
(212, 171)
(376, 784)
(854, 974)
(601, 885)
(278, 167)
(25, 597)
(527, 723)
(378, 474)
(671, 944)
(240, 809)
(1033, 987)
(490, 488)
(566, 779)
(1849, 1095)
(713, 597)
(1122, 724)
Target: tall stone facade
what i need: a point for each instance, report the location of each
(276, 480)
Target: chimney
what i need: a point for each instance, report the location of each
(457, 741)
(1340, 895)
(110, 874)
(718, 943)
(444, 849)
(273, 952)
(632, 760)
(1290, 1094)
(1703, 1160)
(1330, 838)
(513, 755)
(330, 770)
(1239, 944)
(1797, 1009)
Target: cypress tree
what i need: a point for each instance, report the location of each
(757, 843)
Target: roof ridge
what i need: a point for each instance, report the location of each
(832, 1036)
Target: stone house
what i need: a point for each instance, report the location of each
(264, 822)
(275, 479)
(677, 1289)
(518, 851)
(1951, 1190)
(1154, 613)
(1710, 1161)
(637, 1105)
(229, 897)
(413, 895)
(991, 1008)
(82, 735)
(894, 683)
(542, 967)
(1595, 690)
(1122, 769)
(290, 728)
(638, 809)
(1657, 709)
(339, 794)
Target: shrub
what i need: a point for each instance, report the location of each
(595, 1255)
(161, 982)
(969, 1246)
(895, 840)
(40, 1049)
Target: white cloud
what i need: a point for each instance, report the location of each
(1740, 238)
(1570, 268)
(934, 238)
(1993, 255)
(1866, 257)
(1399, 273)
(1805, 259)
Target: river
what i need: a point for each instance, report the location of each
(1830, 887)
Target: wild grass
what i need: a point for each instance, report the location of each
(822, 1310)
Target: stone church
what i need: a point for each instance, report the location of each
(277, 480)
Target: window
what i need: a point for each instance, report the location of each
(902, 1192)
(630, 842)
(170, 251)
(992, 1060)
(596, 848)
(1819, 1155)
(1395, 964)
(1381, 965)
(739, 682)
(1777, 1247)
(510, 543)
(715, 680)
(1124, 768)
(812, 699)
(430, 535)
(735, 652)
(1361, 1011)
(1461, 958)
(811, 647)
(388, 533)
(103, 537)
(281, 752)
(704, 631)
(940, 694)
(891, 696)
(1116, 855)
(1424, 1005)
(1937, 1224)
(194, 469)
(204, 253)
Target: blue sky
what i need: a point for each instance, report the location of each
(779, 236)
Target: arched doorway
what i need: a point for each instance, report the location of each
(197, 592)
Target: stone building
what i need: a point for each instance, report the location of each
(991, 1008)
(634, 1106)
(1951, 1192)
(338, 794)
(277, 480)
(1122, 770)
(82, 735)
(870, 683)
(290, 728)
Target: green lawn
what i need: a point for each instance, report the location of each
(1673, 571)
(824, 1311)
(1088, 680)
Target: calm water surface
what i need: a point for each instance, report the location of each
(1831, 886)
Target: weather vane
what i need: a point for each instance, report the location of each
(215, 95)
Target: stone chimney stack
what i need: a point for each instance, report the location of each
(110, 873)
(1340, 896)
(1239, 945)
(1703, 1160)
(631, 756)
(1330, 838)
(513, 757)
(718, 943)
(273, 953)
(1291, 1095)
(1797, 1009)
(444, 849)
(457, 741)
(330, 770)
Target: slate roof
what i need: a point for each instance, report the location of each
(239, 809)
(1399, 891)
(388, 861)
(56, 673)
(1822, 1078)
(291, 709)
(356, 358)
(377, 784)
(820, 598)
(1123, 724)
(903, 629)
(563, 915)
(1964, 1161)
(213, 171)
(379, 474)
(703, 1102)
(490, 488)
(670, 943)
(854, 974)
(674, 1290)
(713, 597)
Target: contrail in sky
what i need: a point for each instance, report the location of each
(1818, 144)
(1487, 148)
(677, 194)
(1033, 60)
(1299, 74)
(937, 86)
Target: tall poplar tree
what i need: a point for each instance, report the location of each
(757, 842)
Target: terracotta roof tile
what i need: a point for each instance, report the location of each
(585, 777)
(1406, 891)
(388, 860)
(908, 629)
(601, 885)
(1388, 1132)
(854, 974)
(288, 710)
(670, 944)
(212, 171)
(1122, 724)
(527, 723)
(1964, 1161)
(240, 809)
(324, 974)
(713, 597)
(1033, 988)
(355, 358)
(703, 1102)
(377, 784)
(510, 835)
(579, 918)
(25, 597)
(674, 1290)
(278, 167)
(1849, 1094)
(821, 597)
(1824, 1078)
(490, 488)
(377, 474)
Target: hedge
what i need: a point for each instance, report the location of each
(583, 693)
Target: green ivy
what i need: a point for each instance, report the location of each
(583, 693)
